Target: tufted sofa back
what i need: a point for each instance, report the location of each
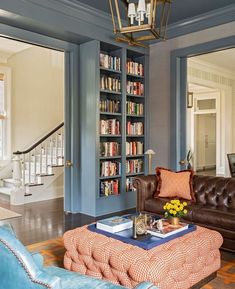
(214, 191)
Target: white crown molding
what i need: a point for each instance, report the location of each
(4, 56)
(211, 68)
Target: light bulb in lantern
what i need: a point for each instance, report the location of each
(131, 12)
(141, 9)
(148, 12)
(137, 18)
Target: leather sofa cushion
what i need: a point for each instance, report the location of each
(215, 216)
(214, 191)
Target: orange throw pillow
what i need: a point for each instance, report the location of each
(174, 184)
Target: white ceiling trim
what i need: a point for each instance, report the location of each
(210, 67)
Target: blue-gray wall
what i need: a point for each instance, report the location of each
(160, 122)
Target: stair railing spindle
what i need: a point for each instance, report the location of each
(56, 140)
(35, 166)
(51, 150)
(41, 151)
(46, 153)
(29, 162)
(62, 144)
(23, 170)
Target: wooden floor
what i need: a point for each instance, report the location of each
(45, 220)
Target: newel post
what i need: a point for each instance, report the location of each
(17, 170)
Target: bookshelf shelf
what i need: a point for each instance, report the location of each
(110, 177)
(135, 75)
(114, 89)
(134, 174)
(135, 156)
(135, 95)
(110, 91)
(110, 157)
(110, 70)
(110, 135)
(134, 135)
(135, 115)
(111, 113)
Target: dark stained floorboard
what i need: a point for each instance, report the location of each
(45, 220)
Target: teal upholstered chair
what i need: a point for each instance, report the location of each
(21, 270)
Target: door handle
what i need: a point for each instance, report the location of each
(68, 164)
(182, 162)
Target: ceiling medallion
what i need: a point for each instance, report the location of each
(145, 20)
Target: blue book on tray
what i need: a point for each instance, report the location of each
(146, 242)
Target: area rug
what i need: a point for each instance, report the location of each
(53, 252)
(7, 214)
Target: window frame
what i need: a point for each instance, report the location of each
(7, 153)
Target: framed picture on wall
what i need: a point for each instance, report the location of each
(190, 100)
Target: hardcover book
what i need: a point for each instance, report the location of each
(166, 229)
(114, 224)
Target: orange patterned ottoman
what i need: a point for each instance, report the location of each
(177, 264)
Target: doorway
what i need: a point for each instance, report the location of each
(71, 108)
(203, 129)
(31, 108)
(205, 144)
(179, 72)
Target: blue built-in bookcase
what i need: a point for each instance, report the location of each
(114, 84)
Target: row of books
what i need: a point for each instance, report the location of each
(135, 87)
(130, 185)
(109, 126)
(110, 62)
(134, 108)
(108, 105)
(134, 166)
(135, 68)
(110, 149)
(135, 128)
(108, 168)
(134, 148)
(110, 187)
(110, 83)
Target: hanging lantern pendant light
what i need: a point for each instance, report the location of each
(142, 17)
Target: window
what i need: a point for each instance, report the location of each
(5, 132)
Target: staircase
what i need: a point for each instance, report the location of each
(36, 169)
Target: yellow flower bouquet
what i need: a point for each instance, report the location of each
(175, 209)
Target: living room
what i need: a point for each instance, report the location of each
(80, 29)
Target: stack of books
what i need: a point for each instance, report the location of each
(135, 128)
(114, 224)
(135, 68)
(109, 188)
(108, 169)
(110, 62)
(134, 148)
(165, 229)
(135, 87)
(109, 126)
(109, 149)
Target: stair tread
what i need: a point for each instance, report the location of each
(9, 180)
(5, 190)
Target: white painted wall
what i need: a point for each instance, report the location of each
(37, 94)
(159, 98)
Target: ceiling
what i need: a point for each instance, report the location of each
(181, 9)
(224, 59)
(9, 47)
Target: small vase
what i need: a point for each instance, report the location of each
(174, 221)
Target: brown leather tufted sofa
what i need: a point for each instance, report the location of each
(214, 207)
